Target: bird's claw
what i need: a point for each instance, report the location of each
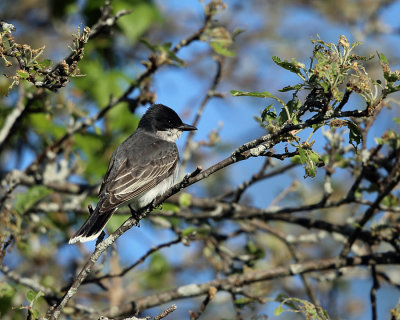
(135, 216)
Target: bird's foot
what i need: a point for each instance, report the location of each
(100, 238)
(135, 216)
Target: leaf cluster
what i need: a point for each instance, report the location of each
(334, 72)
(30, 66)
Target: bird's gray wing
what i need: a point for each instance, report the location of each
(131, 175)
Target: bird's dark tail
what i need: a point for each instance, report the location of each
(93, 226)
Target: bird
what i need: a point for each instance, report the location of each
(141, 168)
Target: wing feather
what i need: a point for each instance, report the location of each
(133, 177)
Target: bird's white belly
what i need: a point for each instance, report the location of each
(153, 193)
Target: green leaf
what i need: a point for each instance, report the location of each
(203, 230)
(149, 45)
(390, 201)
(165, 47)
(172, 56)
(355, 136)
(325, 86)
(97, 130)
(6, 291)
(34, 313)
(379, 141)
(32, 296)
(25, 200)
(278, 310)
(309, 159)
(315, 127)
(185, 200)
(222, 49)
(243, 301)
(397, 120)
(170, 207)
(46, 63)
(382, 58)
(267, 114)
(254, 250)
(23, 74)
(288, 112)
(292, 106)
(291, 88)
(265, 94)
(188, 231)
(293, 66)
(237, 32)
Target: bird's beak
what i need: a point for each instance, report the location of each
(186, 127)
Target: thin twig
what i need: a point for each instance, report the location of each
(4, 245)
(13, 117)
(256, 178)
(372, 294)
(166, 312)
(134, 265)
(210, 93)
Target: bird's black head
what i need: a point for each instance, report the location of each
(161, 118)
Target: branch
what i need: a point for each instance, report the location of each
(12, 119)
(372, 293)
(238, 280)
(210, 295)
(4, 245)
(16, 115)
(222, 210)
(166, 312)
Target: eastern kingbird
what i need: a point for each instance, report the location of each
(143, 167)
